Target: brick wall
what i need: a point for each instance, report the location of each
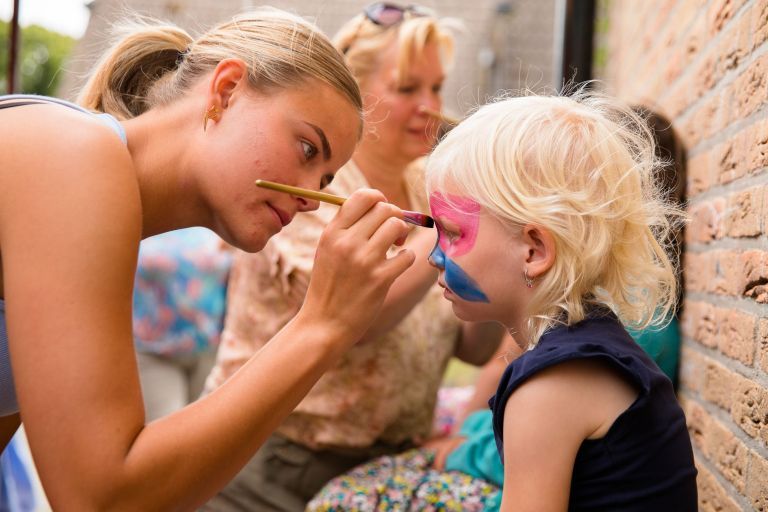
(520, 38)
(704, 65)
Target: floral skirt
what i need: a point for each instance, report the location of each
(405, 482)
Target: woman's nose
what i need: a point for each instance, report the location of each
(306, 205)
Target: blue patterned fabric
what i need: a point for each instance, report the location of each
(180, 292)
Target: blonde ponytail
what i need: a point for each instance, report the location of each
(122, 81)
(154, 65)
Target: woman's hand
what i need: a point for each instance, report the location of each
(351, 273)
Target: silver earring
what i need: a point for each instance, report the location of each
(528, 280)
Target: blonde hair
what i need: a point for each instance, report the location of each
(584, 168)
(362, 42)
(153, 64)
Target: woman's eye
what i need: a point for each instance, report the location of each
(326, 180)
(406, 89)
(309, 150)
(437, 88)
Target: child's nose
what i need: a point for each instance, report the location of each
(437, 257)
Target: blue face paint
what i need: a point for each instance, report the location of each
(455, 278)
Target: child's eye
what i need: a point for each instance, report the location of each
(309, 150)
(452, 236)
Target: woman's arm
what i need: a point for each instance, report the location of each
(478, 341)
(69, 232)
(488, 378)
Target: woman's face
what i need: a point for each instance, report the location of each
(393, 119)
(479, 260)
(298, 136)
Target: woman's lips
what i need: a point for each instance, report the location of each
(282, 216)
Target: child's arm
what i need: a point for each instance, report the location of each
(545, 421)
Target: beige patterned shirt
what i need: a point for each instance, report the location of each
(382, 390)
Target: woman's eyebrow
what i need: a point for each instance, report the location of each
(323, 141)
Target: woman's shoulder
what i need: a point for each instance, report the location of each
(55, 157)
(66, 135)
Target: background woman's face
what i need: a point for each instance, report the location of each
(393, 118)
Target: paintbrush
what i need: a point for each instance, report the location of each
(438, 115)
(419, 219)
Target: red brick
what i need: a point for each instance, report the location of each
(719, 384)
(691, 370)
(729, 274)
(699, 173)
(706, 221)
(755, 275)
(720, 12)
(763, 345)
(712, 496)
(750, 88)
(756, 146)
(698, 425)
(759, 23)
(757, 483)
(750, 409)
(705, 322)
(730, 160)
(729, 454)
(736, 335)
(698, 271)
(744, 213)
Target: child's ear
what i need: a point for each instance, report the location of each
(541, 249)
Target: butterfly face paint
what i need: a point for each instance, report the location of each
(456, 234)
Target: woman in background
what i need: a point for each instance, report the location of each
(380, 398)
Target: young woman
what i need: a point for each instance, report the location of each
(564, 188)
(186, 126)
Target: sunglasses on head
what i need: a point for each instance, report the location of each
(386, 14)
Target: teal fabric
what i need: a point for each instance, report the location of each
(663, 345)
(477, 456)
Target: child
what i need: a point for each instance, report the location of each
(550, 223)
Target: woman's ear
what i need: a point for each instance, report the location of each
(541, 249)
(228, 75)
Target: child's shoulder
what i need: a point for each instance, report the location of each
(588, 395)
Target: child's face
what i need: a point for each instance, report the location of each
(475, 255)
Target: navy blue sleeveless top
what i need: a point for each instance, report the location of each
(645, 460)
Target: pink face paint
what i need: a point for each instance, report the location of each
(464, 213)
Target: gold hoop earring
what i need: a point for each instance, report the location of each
(212, 113)
(528, 279)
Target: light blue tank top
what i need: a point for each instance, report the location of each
(8, 403)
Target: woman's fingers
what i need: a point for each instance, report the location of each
(356, 206)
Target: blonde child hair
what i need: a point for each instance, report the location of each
(152, 64)
(583, 167)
